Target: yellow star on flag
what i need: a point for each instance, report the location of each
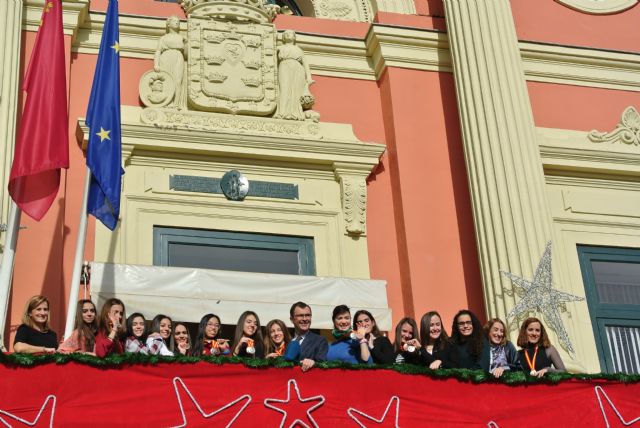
(103, 134)
(116, 47)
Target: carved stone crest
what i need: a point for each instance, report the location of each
(232, 67)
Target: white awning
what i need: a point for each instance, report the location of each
(186, 294)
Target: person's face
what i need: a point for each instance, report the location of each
(342, 322)
(406, 332)
(365, 322)
(212, 328)
(115, 313)
(137, 326)
(276, 334)
(165, 328)
(88, 313)
(534, 330)
(250, 325)
(40, 314)
(301, 319)
(496, 333)
(173, 23)
(435, 327)
(180, 334)
(465, 326)
(289, 37)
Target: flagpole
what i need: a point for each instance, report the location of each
(74, 289)
(6, 268)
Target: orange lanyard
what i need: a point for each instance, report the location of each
(531, 362)
(280, 350)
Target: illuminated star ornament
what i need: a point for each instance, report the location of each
(539, 295)
(599, 393)
(292, 383)
(9, 419)
(394, 417)
(176, 380)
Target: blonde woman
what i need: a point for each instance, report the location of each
(34, 335)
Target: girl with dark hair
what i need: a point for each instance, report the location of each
(434, 339)
(110, 328)
(406, 346)
(248, 338)
(349, 346)
(34, 335)
(500, 355)
(83, 337)
(159, 336)
(468, 341)
(277, 339)
(180, 339)
(207, 341)
(380, 347)
(136, 334)
(532, 337)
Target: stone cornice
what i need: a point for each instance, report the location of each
(388, 46)
(74, 14)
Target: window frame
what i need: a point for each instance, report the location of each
(165, 235)
(603, 314)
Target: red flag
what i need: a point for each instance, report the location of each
(42, 147)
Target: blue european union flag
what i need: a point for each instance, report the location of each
(104, 153)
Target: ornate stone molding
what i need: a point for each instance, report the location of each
(599, 7)
(344, 10)
(627, 131)
(353, 192)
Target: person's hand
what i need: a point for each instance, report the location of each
(48, 350)
(183, 347)
(541, 373)
(497, 372)
(243, 340)
(115, 324)
(307, 364)
(223, 344)
(273, 355)
(435, 365)
(360, 333)
(414, 342)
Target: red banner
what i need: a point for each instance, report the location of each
(233, 395)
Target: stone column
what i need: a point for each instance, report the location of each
(10, 35)
(506, 179)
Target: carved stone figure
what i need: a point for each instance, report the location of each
(170, 57)
(294, 79)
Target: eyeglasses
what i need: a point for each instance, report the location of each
(216, 325)
(463, 323)
(363, 321)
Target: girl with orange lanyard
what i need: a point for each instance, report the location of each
(207, 341)
(277, 339)
(537, 356)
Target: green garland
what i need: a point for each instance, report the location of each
(474, 376)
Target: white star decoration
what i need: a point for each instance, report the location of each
(395, 398)
(599, 391)
(319, 398)
(492, 424)
(205, 415)
(51, 398)
(539, 295)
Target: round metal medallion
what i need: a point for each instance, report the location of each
(234, 185)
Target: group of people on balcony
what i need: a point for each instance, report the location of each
(356, 340)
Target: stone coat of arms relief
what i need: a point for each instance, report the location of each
(228, 62)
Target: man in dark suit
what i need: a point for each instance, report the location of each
(306, 347)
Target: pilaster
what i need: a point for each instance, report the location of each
(506, 178)
(10, 23)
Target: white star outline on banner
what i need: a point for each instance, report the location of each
(35, 421)
(319, 398)
(205, 415)
(599, 391)
(384, 415)
(540, 295)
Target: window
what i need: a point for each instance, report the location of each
(237, 251)
(612, 283)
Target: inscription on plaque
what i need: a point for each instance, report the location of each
(263, 189)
